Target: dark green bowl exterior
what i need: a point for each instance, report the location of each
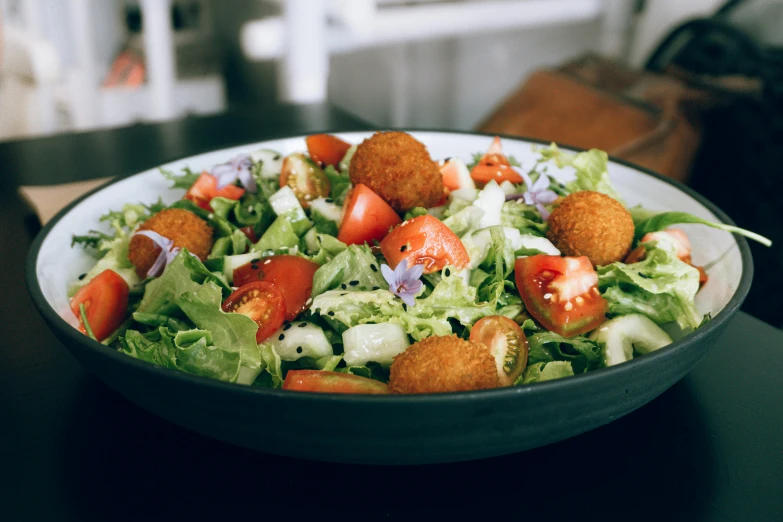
(395, 429)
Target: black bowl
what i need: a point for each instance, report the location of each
(385, 429)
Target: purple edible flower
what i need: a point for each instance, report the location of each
(237, 168)
(403, 282)
(537, 193)
(167, 252)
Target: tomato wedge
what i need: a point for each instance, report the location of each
(332, 382)
(425, 240)
(494, 165)
(561, 293)
(326, 149)
(367, 217)
(205, 188)
(305, 178)
(105, 300)
(292, 275)
(260, 301)
(506, 342)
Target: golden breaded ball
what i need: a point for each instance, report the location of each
(591, 224)
(183, 227)
(443, 364)
(399, 169)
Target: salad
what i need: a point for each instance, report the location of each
(372, 268)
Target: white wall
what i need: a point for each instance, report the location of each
(451, 83)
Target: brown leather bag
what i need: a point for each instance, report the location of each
(649, 119)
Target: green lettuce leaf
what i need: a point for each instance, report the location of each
(232, 333)
(354, 269)
(524, 218)
(591, 170)
(451, 300)
(545, 371)
(328, 248)
(339, 183)
(184, 274)
(197, 354)
(279, 234)
(661, 286)
(581, 352)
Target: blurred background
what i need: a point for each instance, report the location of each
(691, 89)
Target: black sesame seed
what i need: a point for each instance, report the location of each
(254, 266)
(329, 200)
(446, 160)
(404, 307)
(376, 287)
(286, 327)
(344, 286)
(373, 268)
(299, 349)
(403, 248)
(277, 157)
(343, 295)
(82, 276)
(256, 260)
(448, 272)
(281, 337)
(330, 313)
(302, 325)
(354, 282)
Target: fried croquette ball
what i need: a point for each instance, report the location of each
(399, 169)
(443, 364)
(182, 227)
(591, 224)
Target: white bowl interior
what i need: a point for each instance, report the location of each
(58, 265)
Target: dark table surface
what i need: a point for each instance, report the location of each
(710, 448)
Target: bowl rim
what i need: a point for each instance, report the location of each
(558, 385)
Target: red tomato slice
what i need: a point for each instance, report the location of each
(367, 217)
(250, 233)
(494, 165)
(292, 275)
(260, 301)
(506, 342)
(305, 178)
(205, 188)
(561, 293)
(427, 241)
(332, 382)
(105, 300)
(326, 149)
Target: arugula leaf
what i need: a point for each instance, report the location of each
(181, 181)
(662, 220)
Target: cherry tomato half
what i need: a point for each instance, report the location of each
(292, 275)
(506, 342)
(326, 149)
(260, 301)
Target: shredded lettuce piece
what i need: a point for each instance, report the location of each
(661, 286)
